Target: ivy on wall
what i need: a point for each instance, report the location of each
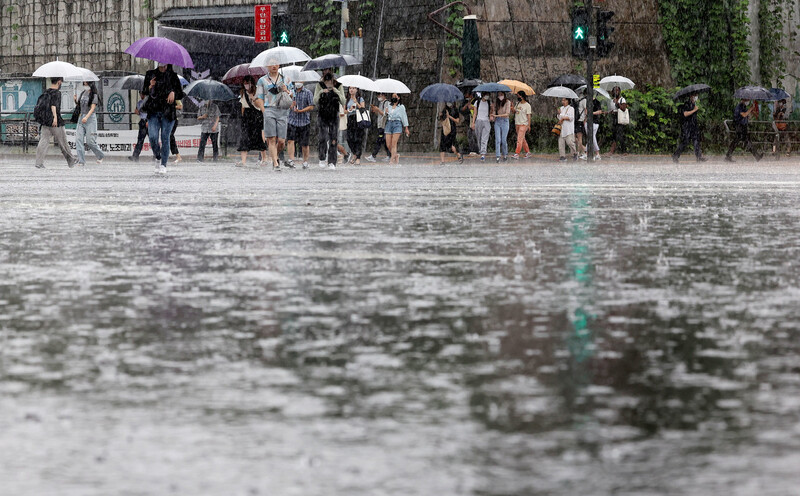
(455, 20)
(772, 15)
(324, 31)
(707, 42)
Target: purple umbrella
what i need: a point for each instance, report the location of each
(161, 50)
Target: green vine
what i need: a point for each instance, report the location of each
(707, 42)
(365, 12)
(455, 20)
(324, 31)
(772, 41)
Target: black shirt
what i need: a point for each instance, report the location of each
(453, 111)
(166, 82)
(54, 97)
(689, 123)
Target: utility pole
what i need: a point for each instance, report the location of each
(589, 134)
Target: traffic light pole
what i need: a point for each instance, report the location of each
(589, 134)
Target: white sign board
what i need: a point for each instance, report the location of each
(121, 143)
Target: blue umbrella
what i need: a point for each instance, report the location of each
(208, 89)
(441, 92)
(492, 88)
(779, 94)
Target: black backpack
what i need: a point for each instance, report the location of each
(329, 106)
(41, 112)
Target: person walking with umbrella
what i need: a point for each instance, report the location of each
(328, 97)
(209, 114)
(397, 122)
(522, 120)
(449, 119)
(355, 134)
(741, 119)
(502, 110)
(54, 128)
(566, 118)
(689, 129)
(779, 117)
(276, 99)
(381, 110)
(86, 129)
(481, 123)
(619, 121)
(164, 90)
(251, 137)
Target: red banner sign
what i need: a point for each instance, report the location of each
(263, 23)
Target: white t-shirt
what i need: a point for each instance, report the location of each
(483, 111)
(568, 126)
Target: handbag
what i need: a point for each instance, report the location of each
(446, 126)
(556, 130)
(363, 120)
(76, 112)
(623, 117)
(284, 101)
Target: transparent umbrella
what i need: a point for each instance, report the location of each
(358, 81)
(86, 75)
(281, 55)
(57, 69)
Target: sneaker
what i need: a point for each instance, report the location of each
(322, 164)
(596, 158)
(79, 164)
(729, 159)
(305, 165)
(332, 166)
(347, 158)
(528, 155)
(562, 159)
(289, 163)
(582, 156)
(497, 159)
(483, 158)
(387, 159)
(675, 160)
(162, 170)
(238, 164)
(99, 161)
(370, 158)
(133, 159)
(200, 160)
(515, 156)
(41, 166)
(505, 158)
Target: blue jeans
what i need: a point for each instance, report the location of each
(158, 125)
(86, 135)
(501, 136)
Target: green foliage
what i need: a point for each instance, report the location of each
(453, 45)
(654, 120)
(366, 7)
(325, 30)
(772, 40)
(707, 43)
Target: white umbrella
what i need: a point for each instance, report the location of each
(599, 91)
(281, 55)
(291, 72)
(359, 82)
(608, 83)
(57, 69)
(87, 75)
(307, 77)
(390, 86)
(560, 92)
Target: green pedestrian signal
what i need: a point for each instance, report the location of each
(580, 32)
(281, 26)
(284, 39)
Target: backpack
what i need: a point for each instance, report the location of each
(41, 112)
(329, 106)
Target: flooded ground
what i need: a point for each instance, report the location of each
(527, 330)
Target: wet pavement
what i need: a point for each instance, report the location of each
(535, 329)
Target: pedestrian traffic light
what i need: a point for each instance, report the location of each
(604, 31)
(580, 32)
(280, 29)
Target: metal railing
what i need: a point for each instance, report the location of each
(767, 132)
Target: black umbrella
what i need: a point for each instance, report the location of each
(468, 83)
(208, 89)
(753, 93)
(571, 81)
(330, 61)
(691, 89)
(134, 82)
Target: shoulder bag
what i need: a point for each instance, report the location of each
(76, 112)
(623, 117)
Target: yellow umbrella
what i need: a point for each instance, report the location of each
(517, 86)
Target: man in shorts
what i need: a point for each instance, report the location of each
(271, 86)
(299, 123)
